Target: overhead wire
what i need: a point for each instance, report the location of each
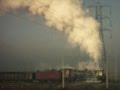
(25, 19)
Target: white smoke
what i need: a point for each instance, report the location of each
(82, 65)
(68, 16)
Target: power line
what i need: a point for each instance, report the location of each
(25, 19)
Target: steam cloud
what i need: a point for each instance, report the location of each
(82, 65)
(68, 16)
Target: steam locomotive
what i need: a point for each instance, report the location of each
(70, 75)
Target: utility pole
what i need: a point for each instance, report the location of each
(63, 79)
(115, 69)
(100, 17)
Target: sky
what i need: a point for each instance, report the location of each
(28, 44)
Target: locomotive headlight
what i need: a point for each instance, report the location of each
(100, 74)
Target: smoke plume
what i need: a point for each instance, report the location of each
(68, 16)
(82, 65)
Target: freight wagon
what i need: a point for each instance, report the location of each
(16, 76)
(48, 76)
(52, 75)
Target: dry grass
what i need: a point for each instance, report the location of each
(38, 86)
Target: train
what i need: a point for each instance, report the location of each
(46, 76)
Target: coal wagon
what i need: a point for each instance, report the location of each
(15, 76)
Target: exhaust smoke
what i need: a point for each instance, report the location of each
(68, 16)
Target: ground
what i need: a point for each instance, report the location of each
(73, 86)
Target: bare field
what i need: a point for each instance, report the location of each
(73, 86)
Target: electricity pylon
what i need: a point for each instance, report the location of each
(100, 17)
